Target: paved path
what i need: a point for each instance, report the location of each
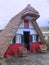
(31, 59)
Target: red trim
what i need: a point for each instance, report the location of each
(26, 24)
(12, 48)
(35, 46)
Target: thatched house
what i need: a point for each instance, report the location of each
(21, 29)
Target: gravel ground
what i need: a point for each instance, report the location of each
(31, 59)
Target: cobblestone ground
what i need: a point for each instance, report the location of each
(31, 59)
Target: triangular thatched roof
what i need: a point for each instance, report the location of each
(10, 30)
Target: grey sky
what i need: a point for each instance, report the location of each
(9, 8)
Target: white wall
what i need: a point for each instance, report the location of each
(21, 30)
(31, 28)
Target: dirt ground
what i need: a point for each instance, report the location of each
(31, 59)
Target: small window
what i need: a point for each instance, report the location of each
(18, 38)
(39, 39)
(34, 38)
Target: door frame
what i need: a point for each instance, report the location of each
(29, 39)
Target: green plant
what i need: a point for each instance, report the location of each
(47, 42)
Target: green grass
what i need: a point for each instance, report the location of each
(46, 40)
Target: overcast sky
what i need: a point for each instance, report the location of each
(9, 8)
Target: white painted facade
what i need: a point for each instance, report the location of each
(22, 29)
(31, 29)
